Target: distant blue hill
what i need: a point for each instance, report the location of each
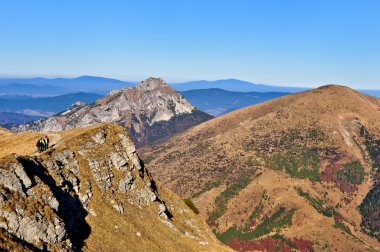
(234, 85)
(15, 118)
(44, 105)
(31, 90)
(67, 85)
(375, 93)
(215, 101)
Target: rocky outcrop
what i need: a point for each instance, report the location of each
(57, 200)
(152, 110)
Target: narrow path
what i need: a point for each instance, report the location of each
(200, 197)
(54, 138)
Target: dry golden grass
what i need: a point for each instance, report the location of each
(138, 229)
(332, 109)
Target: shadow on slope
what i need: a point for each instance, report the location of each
(70, 209)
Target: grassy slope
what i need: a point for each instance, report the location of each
(220, 151)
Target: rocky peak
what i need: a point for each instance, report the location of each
(151, 84)
(77, 104)
(151, 111)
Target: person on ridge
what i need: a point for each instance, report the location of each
(42, 143)
(38, 145)
(46, 138)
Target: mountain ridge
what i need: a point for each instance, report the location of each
(216, 101)
(234, 85)
(304, 163)
(89, 192)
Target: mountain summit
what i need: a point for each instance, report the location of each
(301, 171)
(150, 111)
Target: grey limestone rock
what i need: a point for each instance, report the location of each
(100, 137)
(126, 183)
(118, 160)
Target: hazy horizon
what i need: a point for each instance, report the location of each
(184, 81)
(281, 43)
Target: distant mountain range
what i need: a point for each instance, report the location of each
(15, 118)
(215, 101)
(234, 85)
(57, 86)
(31, 90)
(93, 84)
(43, 106)
(375, 93)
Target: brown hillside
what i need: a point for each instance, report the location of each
(90, 192)
(299, 167)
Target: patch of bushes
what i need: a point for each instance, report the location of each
(191, 205)
(343, 227)
(254, 215)
(352, 173)
(372, 146)
(210, 185)
(316, 203)
(297, 162)
(231, 191)
(369, 209)
(276, 221)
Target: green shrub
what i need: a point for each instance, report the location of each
(352, 173)
(281, 218)
(231, 191)
(299, 162)
(316, 203)
(191, 205)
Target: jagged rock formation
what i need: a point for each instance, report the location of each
(91, 192)
(301, 171)
(150, 111)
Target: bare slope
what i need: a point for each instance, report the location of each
(90, 192)
(293, 172)
(150, 111)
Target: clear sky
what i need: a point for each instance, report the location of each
(283, 42)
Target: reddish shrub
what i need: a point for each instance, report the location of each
(213, 224)
(242, 245)
(303, 245)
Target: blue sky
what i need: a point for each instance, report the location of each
(282, 42)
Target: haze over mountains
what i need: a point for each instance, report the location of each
(58, 86)
(234, 85)
(300, 171)
(215, 101)
(219, 102)
(103, 85)
(43, 106)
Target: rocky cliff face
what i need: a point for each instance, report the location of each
(152, 110)
(92, 192)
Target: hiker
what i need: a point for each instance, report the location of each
(46, 138)
(38, 145)
(42, 144)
